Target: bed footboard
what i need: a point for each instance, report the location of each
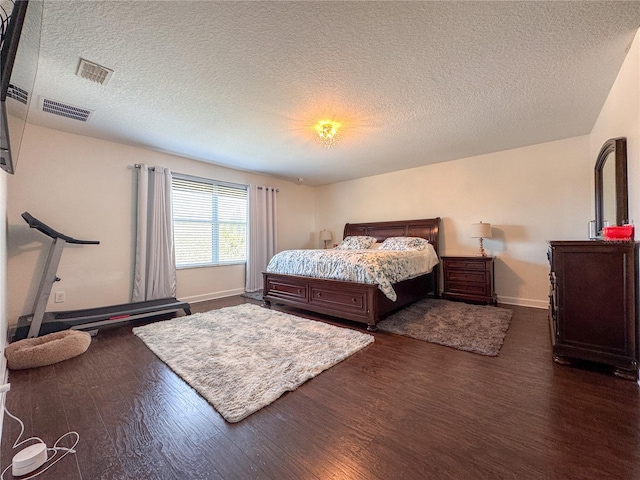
(358, 302)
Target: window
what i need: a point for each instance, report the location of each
(209, 222)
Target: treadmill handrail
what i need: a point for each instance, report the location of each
(50, 232)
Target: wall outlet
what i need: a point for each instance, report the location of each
(59, 297)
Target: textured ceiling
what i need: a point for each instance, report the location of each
(242, 83)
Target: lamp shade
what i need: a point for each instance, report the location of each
(325, 235)
(480, 230)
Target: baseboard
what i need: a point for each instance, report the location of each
(523, 302)
(212, 296)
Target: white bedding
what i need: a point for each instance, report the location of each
(381, 267)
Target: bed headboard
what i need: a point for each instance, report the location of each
(426, 228)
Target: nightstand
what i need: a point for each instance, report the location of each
(469, 279)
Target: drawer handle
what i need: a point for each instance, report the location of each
(274, 287)
(299, 291)
(319, 294)
(354, 300)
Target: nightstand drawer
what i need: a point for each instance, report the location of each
(469, 279)
(465, 276)
(466, 264)
(467, 288)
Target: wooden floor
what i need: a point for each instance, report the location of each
(399, 409)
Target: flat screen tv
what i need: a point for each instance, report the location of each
(20, 37)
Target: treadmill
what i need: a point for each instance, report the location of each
(89, 319)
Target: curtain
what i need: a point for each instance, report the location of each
(155, 267)
(262, 234)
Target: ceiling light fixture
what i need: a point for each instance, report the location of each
(328, 133)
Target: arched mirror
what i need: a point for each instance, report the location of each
(612, 204)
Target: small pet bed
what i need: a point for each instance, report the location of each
(46, 350)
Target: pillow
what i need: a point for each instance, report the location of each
(404, 243)
(356, 243)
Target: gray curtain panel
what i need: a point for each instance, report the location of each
(155, 267)
(262, 234)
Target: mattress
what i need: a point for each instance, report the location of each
(381, 267)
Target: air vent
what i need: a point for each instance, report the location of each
(94, 72)
(18, 94)
(65, 110)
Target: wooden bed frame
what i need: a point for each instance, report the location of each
(359, 302)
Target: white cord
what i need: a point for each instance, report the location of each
(55, 449)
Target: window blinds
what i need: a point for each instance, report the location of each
(209, 222)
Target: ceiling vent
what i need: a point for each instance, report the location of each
(18, 94)
(94, 72)
(65, 110)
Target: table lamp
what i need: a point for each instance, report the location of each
(481, 230)
(325, 236)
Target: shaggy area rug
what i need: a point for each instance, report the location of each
(243, 358)
(474, 328)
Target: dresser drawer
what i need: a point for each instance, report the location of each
(353, 301)
(458, 276)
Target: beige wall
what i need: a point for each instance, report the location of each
(529, 195)
(85, 188)
(3, 289)
(620, 117)
(3, 277)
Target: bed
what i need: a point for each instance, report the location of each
(359, 302)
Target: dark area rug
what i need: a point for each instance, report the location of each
(254, 295)
(473, 328)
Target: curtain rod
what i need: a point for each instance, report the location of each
(277, 190)
(137, 165)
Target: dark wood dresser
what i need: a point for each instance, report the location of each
(469, 279)
(593, 311)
